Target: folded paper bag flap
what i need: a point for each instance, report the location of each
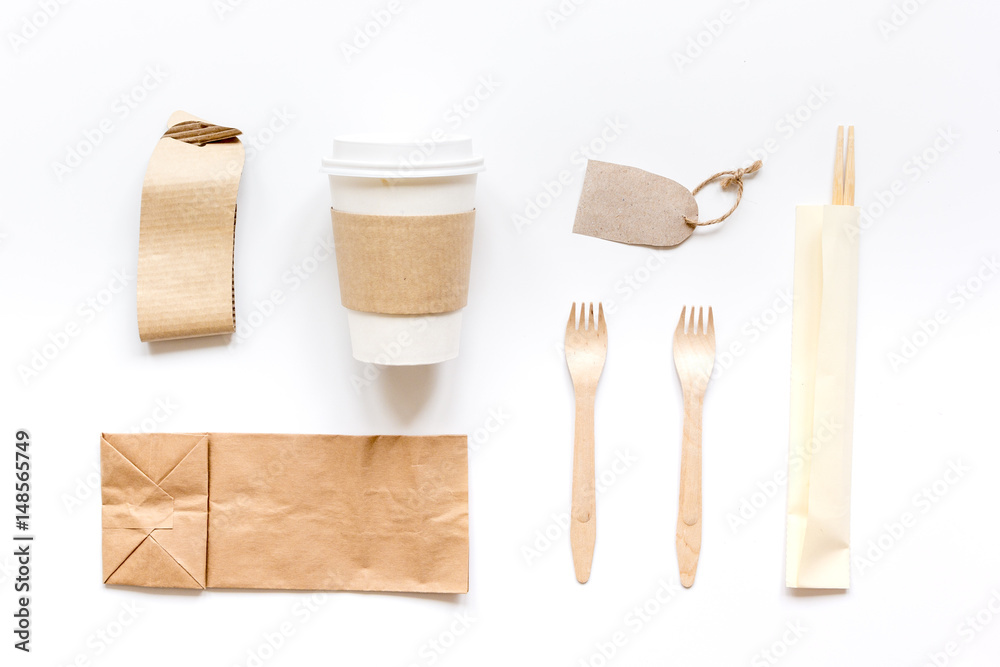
(155, 503)
(156, 455)
(151, 565)
(187, 541)
(130, 499)
(117, 544)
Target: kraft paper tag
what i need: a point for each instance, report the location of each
(824, 329)
(403, 265)
(629, 205)
(290, 512)
(186, 232)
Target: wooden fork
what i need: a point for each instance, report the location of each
(586, 347)
(843, 174)
(694, 358)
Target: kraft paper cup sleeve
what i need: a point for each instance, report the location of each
(289, 512)
(824, 327)
(187, 225)
(404, 265)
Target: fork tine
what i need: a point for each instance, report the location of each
(591, 323)
(690, 326)
(701, 321)
(602, 328)
(711, 327)
(680, 323)
(571, 325)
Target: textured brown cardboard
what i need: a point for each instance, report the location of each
(311, 512)
(403, 265)
(186, 237)
(629, 205)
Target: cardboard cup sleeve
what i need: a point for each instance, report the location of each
(186, 238)
(403, 265)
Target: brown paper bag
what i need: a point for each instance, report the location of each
(314, 512)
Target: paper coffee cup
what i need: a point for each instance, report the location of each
(376, 175)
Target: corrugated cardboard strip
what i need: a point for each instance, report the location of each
(824, 328)
(186, 232)
(304, 512)
(404, 265)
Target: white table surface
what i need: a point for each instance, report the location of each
(776, 77)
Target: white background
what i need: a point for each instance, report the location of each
(557, 86)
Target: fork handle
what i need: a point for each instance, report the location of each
(583, 522)
(689, 510)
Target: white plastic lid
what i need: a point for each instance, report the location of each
(379, 156)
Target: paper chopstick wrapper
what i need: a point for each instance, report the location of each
(302, 512)
(403, 265)
(186, 233)
(824, 330)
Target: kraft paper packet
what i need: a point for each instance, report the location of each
(824, 328)
(301, 512)
(186, 234)
(404, 265)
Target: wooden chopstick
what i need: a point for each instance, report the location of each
(838, 169)
(843, 174)
(849, 178)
